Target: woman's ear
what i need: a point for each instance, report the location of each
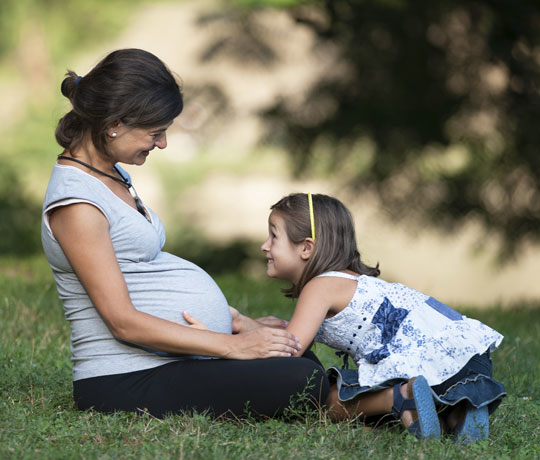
(112, 130)
(308, 246)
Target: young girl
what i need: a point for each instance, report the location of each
(411, 350)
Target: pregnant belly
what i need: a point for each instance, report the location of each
(170, 285)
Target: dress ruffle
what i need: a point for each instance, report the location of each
(473, 383)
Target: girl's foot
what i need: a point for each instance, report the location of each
(474, 427)
(467, 423)
(453, 416)
(413, 404)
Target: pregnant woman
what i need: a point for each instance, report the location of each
(135, 342)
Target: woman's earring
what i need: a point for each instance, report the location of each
(114, 134)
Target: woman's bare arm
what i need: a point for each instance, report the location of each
(83, 233)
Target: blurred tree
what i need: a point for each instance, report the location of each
(434, 105)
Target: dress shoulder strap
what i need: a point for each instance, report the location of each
(339, 275)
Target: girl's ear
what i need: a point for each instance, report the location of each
(308, 246)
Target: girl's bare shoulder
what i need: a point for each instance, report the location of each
(336, 291)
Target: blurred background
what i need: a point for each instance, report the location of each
(423, 117)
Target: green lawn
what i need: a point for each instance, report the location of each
(38, 418)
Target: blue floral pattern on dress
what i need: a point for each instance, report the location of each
(377, 355)
(388, 319)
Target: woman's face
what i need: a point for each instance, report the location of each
(133, 145)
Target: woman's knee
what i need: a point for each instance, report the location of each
(313, 378)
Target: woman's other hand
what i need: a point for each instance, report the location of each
(194, 323)
(263, 342)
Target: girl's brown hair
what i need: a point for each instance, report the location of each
(130, 86)
(335, 244)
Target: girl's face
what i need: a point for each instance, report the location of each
(283, 257)
(133, 145)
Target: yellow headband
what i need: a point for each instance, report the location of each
(311, 216)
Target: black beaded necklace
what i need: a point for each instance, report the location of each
(122, 179)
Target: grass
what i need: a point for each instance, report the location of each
(38, 418)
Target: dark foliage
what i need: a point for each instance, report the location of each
(20, 217)
(445, 94)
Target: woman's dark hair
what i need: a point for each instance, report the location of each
(335, 243)
(131, 86)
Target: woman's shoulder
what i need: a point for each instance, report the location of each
(71, 182)
(67, 175)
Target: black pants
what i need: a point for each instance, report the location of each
(262, 387)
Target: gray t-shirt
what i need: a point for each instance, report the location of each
(159, 283)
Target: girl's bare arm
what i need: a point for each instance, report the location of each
(320, 298)
(312, 307)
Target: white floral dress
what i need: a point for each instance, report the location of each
(394, 332)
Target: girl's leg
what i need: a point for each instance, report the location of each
(220, 387)
(366, 405)
(412, 402)
(453, 416)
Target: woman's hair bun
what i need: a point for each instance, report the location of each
(69, 84)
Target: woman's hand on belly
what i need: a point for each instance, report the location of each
(263, 342)
(194, 323)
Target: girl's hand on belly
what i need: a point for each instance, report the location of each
(272, 321)
(237, 318)
(194, 323)
(242, 323)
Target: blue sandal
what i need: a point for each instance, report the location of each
(474, 427)
(420, 399)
